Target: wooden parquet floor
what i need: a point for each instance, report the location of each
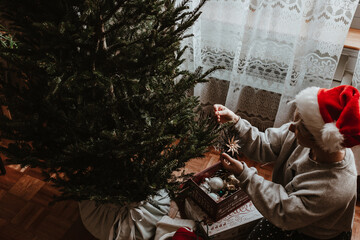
(25, 213)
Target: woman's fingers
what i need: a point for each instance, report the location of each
(220, 112)
(231, 164)
(224, 114)
(218, 107)
(227, 158)
(217, 114)
(226, 161)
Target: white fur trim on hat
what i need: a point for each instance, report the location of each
(332, 137)
(308, 107)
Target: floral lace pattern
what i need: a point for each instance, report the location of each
(337, 10)
(279, 46)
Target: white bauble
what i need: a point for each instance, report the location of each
(205, 187)
(216, 184)
(214, 196)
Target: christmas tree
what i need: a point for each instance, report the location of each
(96, 96)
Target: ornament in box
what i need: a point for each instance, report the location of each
(228, 199)
(215, 183)
(220, 185)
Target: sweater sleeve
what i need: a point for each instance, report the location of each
(261, 146)
(284, 210)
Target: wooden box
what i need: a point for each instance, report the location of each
(215, 210)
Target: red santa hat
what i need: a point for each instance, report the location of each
(331, 115)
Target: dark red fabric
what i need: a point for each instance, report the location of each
(341, 104)
(185, 234)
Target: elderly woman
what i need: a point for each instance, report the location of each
(312, 194)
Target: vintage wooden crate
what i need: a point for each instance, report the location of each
(216, 210)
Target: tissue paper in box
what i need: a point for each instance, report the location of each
(236, 225)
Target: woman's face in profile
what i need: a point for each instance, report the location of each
(303, 136)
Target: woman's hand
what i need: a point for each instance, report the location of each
(231, 164)
(224, 114)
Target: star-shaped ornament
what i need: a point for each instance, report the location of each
(233, 146)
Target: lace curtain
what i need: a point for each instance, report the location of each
(269, 49)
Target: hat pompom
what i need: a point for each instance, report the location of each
(331, 137)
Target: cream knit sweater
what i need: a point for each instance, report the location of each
(316, 199)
